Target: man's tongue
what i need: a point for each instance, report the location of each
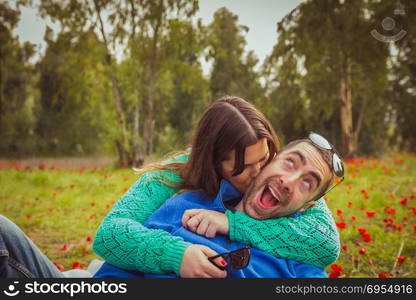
(267, 200)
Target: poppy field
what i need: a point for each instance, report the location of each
(374, 209)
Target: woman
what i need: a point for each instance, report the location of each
(233, 141)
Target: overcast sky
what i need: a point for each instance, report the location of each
(260, 16)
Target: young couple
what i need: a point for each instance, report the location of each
(235, 154)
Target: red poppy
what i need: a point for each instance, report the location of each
(388, 221)
(403, 201)
(92, 203)
(336, 268)
(334, 275)
(344, 247)
(370, 213)
(89, 239)
(350, 160)
(401, 259)
(339, 212)
(341, 225)
(353, 218)
(363, 250)
(362, 230)
(414, 227)
(59, 266)
(349, 203)
(77, 265)
(383, 275)
(64, 247)
(366, 237)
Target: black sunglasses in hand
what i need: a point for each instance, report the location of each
(236, 259)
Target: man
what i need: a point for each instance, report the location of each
(300, 173)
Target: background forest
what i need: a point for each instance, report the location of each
(327, 72)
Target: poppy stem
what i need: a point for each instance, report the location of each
(398, 255)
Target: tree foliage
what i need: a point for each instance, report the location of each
(125, 77)
(16, 84)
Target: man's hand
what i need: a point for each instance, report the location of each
(205, 222)
(195, 263)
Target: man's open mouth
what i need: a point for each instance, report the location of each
(269, 198)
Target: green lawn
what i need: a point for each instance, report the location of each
(375, 210)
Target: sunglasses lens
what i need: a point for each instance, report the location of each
(337, 165)
(240, 258)
(320, 141)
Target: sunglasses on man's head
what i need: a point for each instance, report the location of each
(337, 166)
(237, 259)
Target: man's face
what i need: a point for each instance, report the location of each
(292, 178)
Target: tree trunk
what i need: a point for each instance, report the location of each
(347, 136)
(123, 159)
(137, 154)
(359, 123)
(122, 142)
(1, 91)
(147, 130)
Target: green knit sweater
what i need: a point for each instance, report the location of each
(123, 241)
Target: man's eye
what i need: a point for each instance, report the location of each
(307, 184)
(290, 163)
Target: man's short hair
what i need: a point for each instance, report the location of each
(326, 156)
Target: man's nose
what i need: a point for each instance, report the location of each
(288, 181)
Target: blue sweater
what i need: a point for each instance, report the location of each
(169, 218)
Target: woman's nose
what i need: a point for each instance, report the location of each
(255, 170)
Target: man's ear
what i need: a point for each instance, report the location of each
(307, 205)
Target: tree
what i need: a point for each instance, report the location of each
(73, 115)
(182, 46)
(232, 72)
(402, 75)
(338, 71)
(140, 24)
(16, 84)
(144, 24)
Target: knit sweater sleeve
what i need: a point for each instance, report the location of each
(123, 241)
(311, 238)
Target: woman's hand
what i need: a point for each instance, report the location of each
(195, 263)
(205, 222)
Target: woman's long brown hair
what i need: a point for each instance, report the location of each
(230, 123)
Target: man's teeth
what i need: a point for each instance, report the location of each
(274, 195)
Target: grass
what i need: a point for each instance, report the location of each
(374, 209)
